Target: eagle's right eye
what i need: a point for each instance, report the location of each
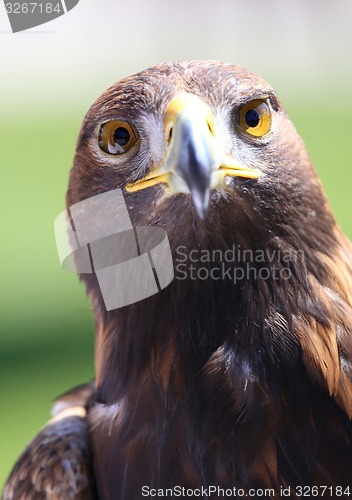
(117, 137)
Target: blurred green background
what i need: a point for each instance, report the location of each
(48, 82)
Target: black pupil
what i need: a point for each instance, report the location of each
(122, 136)
(252, 118)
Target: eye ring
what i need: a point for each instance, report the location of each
(255, 118)
(116, 137)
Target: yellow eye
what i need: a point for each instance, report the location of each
(117, 137)
(255, 118)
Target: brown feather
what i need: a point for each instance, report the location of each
(57, 464)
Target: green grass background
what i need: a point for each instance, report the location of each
(47, 333)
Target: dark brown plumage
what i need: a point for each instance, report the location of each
(211, 382)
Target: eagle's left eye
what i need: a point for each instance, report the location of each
(117, 137)
(255, 118)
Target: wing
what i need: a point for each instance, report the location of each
(57, 463)
(324, 331)
(327, 341)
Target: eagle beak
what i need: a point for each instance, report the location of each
(191, 154)
(192, 163)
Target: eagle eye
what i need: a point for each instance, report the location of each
(255, 118)
(117, 137)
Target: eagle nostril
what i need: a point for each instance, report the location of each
(210, 127)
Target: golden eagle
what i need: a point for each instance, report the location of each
(239, 379)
